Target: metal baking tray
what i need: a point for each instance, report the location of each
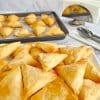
(35, 38)
(84, 16)
(76, 15)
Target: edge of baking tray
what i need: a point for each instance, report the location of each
(42, 38)
(77, 15)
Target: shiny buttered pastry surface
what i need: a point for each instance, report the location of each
(6, 31)
(47, 71)
(22, 33)
(30, 25)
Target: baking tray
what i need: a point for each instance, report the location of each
(35, 38)
(86, 17)
(76, 15)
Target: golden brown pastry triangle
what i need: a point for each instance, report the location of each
(14, 24)
(11, 84)
(8, 49)
(55, 30)
(73, 75)
(29, 19)
(90, 90)
(56, 90)
(34, 79)
(92, 72)
(76, 53)
(2, 64)
(12, 18)
(50, 60)
(38, 30)
(47, 47)
(49, 20)
(6, 31)
(22, 33)
(23, 48)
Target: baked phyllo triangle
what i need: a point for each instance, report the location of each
(90, 90)
(92, 72)
(14, 24)
(38, 22)
(1, 24)
(47, 47)
(50, 60)
(55, 30)
(35, 52)
(73, 75)
(7, 49)
(38, 30)
(56, 90)
(76, 53)
(22, 33)
(6, 31)
(11, 84)
(2, 18)
(29, 19)
(34, 79)
(26, 58)
(12, 18)
(2, 64)
(49, 20)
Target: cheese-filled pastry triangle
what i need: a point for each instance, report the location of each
(73, 75)
(90, 90)
(12, 18)
(92, 72)
(35, 52)
(50, 60)
(14, 24)
(76, 53)
(6, 31)
(38, 22)
(26, 58)
(49, 20)
(2, 18)
(34, 79)
(56, 90)
(47, 47)
(2, 64)
(11, 84)
(8, 49)
(29, 19)
(38, 30)
(55, 30)
(23, 48)
(1, 24)
(22, 33)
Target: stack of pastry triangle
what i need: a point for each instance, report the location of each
(90, 90)
(55, 30)
(73, 74)
(22, 55)
(35, 79)
(47, 47)
(76, 53)
(56, 90)
(8, 49)
(50, 60)
(92, 72)
(25, 48)
(2, 64)
(11, 84)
